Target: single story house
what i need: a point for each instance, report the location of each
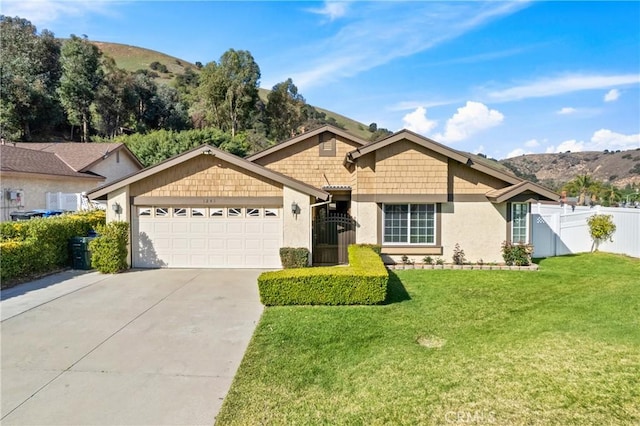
(321, 190)
(31, 170)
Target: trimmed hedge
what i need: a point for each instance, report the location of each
(292, 257)
(41, 245)
(109, 251)
(363, 282)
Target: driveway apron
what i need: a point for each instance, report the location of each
(146, 347)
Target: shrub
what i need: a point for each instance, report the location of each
(458, 255)
(292, 257)
(364, 282)
(41, 244)
(601, 228)
(377, 248)
(19, 259)
(439, 261)
(109, 251)
(428, 260)
(517, 254)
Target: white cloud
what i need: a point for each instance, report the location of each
(607, 139)
(470, 119)
(560, 85)
(532, 143)
(43, 12)
(518, 152)
(368, 41)
(602, 139)
(612, 95)
(566, 111)
(332, 10)
(418, 122)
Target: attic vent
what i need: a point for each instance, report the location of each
(327, 144)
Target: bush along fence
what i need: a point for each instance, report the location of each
(363, 282)
(37, 246)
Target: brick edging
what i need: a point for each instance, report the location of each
(532, 267)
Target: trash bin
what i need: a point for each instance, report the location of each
(79, 252)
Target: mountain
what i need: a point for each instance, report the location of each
(619, 168)
(132, 58)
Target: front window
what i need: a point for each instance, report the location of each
(519, 222)
(409, 223)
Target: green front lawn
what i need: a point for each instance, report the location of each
(557, 346)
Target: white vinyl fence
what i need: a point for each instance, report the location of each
(559, 230)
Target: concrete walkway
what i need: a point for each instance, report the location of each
(152, 347)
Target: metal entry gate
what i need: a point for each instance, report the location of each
(331, 238)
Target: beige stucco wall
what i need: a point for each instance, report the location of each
(112, 169)
(206, 176)
(366, 217)
(296, 227)
(479, 228)
(36, 188)
(302, 161)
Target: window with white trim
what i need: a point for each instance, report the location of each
(519, 225)
(198, 212)
(234, 212)
(144, 211)
(270, 212)
(179, 212)
(409, 224)
(251, 212)
(162, 211)
(216, 212)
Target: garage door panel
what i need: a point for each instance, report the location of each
(207, 242)
(235, 227)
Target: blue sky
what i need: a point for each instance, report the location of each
(502, 78)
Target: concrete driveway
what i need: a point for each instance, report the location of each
(146, 347)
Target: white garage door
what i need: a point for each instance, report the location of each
(199, 237)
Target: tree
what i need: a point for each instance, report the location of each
(115, 101)
(284, 110)
(30, 73)
(601, 228)
(580, 186)
(373, 127)
(230, 90)
(81, 77)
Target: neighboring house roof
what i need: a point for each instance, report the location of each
(80, 156)
(304, 137)
(21, 160)
(101, 192)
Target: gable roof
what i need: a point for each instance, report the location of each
(101, 192)
(80, 156)
(432, 145)
(305, 136)
(504, 194)
(21, 160)
(468, 159)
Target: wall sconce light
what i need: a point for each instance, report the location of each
(116, 208)
(295, 208)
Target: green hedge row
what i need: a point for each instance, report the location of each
(37, 246)
(363, 282)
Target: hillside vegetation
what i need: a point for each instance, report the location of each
(132, 58)
(619, 168)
